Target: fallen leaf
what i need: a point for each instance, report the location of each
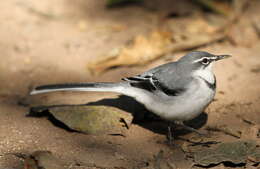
(140, 51)
(91, 119)
(235, 152)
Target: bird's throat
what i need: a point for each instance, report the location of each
(206, 75)
(210, 85)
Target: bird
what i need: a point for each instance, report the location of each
(176, 91)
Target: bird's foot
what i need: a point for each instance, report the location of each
(201, 133)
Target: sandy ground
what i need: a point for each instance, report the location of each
(52, 41)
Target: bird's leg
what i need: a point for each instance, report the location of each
(170, 137)
(189, 128)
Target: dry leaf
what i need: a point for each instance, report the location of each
(140, 51)
(89, 119)
(235, 152)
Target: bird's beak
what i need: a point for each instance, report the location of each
(220, 57)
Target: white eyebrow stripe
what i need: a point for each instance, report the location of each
(214, 58)
(199, 60)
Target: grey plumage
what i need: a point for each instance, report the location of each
(174, 91)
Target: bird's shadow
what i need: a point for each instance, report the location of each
(147, 119)
(141, 115)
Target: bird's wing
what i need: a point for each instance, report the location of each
(144, 82)
(164, 78)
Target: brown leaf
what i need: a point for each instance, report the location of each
(140, 51)
(235, 152)
(91, 119)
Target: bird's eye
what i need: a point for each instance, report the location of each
(205, 61)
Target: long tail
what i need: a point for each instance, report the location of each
(99, 87)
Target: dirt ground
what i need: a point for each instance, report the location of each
(52, 41)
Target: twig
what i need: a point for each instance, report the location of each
(246, 120)
(225, 130)
(213, 6)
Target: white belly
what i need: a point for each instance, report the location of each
(184, 107)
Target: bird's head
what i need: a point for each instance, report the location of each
(199, 60)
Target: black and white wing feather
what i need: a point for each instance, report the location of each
(143, 82)
(157, 79)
